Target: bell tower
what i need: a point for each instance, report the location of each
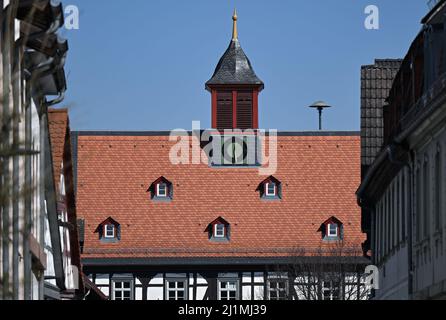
(234, 88)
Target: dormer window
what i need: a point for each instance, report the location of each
(161, 190)
(109, 230)
(218, 230)
(270, 189)
(332, 230)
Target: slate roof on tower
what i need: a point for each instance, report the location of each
(234, 66)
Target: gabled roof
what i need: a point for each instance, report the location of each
(157, 181)
(330, 220)
(269, 179)
(109, 220)
(234, 68)
(319, 176)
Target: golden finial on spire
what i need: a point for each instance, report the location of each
(234, 28)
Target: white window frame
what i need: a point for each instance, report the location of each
(329, 234)
(331, 289)
(216, 234)
(114, 289)
(220, 289)
(106, 235)
(158, 193)
(185, 289)
(277, 290)
(268, 194)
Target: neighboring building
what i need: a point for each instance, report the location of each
(402, 192)
(376, 82)
(159, 223)
(36, 253)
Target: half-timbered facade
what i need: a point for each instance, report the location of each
(230, 213)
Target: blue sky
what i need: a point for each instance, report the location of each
(142, 64)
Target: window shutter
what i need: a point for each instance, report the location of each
(324, 230)
(224, 110)
(279, 190)
(118, 232)
(101, 231)
(81, 233)
(170, 190)
(244, 110)
(152, 191)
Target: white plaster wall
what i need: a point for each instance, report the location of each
(155, 293)
(394, 284)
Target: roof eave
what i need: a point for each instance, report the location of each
(434, 12)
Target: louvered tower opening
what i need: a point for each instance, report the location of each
(224, 110)
(244, 110)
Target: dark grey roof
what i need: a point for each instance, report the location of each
(234, 67)
(376, 82)
(76, 134)
(218, 261)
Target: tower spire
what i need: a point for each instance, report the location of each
(234, 28)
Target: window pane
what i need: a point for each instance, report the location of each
(162, 190)
(271, 188)
(127, 285)
(171, 285)
(219, 230)
(232, 286)
(180, 285)
(171, 295)
(118, 285)
(333, 229)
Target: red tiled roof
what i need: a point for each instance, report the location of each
(59, 132)
(58, 124)
(319, 176)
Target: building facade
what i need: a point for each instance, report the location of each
(36, 258)
(402, 190)
(229, 213)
